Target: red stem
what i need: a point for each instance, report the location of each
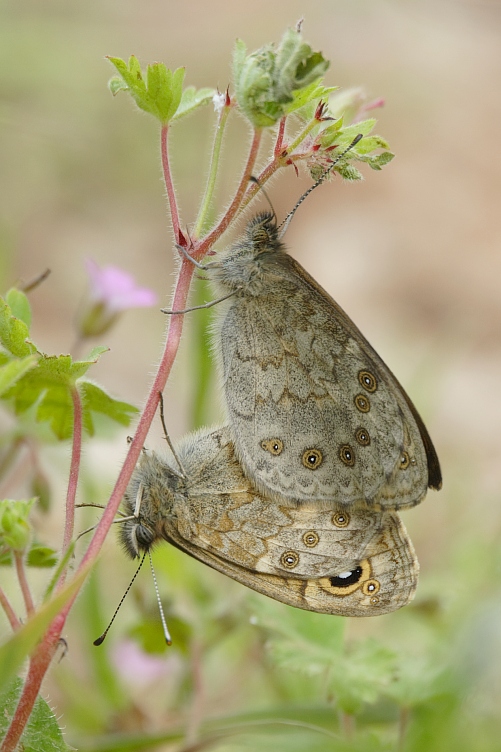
(171, 194)
(9, 611)
(25, 588)
(76, 451)
(36, 672)
(279, 143)
(216, 233)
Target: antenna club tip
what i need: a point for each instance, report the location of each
(99, 640)
(169, 642)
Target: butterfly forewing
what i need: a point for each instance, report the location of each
(314, 412)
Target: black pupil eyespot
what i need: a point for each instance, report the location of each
(312, 459)
(350, 579)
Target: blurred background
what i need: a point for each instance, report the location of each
(412, 254)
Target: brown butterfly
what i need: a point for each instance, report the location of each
(318, 557)
(314, 412)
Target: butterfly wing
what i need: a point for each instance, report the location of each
(357, 564)
(316, 414)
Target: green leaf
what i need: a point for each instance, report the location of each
(159, 95)
(361, 675)
(19, 305)
(348, 172)
(343, 136)
(14, 370)
(192, 99)
(96, 400)
(14, 333)
(42, 733)
(116, 84)
(38, 556)
(42, 556)
(368, 144)
(378, 161)
(309, 95)
(266, 79)
(48, 386)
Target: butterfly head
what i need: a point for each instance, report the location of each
(148, 502)
(249, 259)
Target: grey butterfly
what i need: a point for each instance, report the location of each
(322, 558)
(314, 412)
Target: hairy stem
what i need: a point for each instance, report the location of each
(211, 181)
(171, 194)
(39, 664)
(76, 451)
(279, 142)
(9, 611)
(235, 205)
(25, 588)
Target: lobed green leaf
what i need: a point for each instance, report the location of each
(159, 93)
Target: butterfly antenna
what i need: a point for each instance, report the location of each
(252, 179)
(285, 224)
(101, 639)
(166, 434)
(160, 607)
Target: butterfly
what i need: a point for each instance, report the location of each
(323, 558)
(315, 414)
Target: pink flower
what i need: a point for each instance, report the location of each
(112, 290)
(138, 667)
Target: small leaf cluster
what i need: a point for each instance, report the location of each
(32, 380)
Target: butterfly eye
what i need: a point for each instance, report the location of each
(347, 455)
(404, 461)
(273, 446)
(362, 436)
(289, 559)
(345, 579)
(310, 539)
(312, 458)
(371, 587)
(341, 519)
(362, 403)
(367, 380)
(144, 537)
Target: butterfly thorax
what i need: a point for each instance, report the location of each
(254, 260)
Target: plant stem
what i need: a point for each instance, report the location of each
(171, 194)
(39, 664)
(403, 722)
(301, 136)
(9, 611)
(235, 205)
(211, 181)
(279, 143)
(76, 451)
(25, 588)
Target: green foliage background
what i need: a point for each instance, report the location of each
(412, 254)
